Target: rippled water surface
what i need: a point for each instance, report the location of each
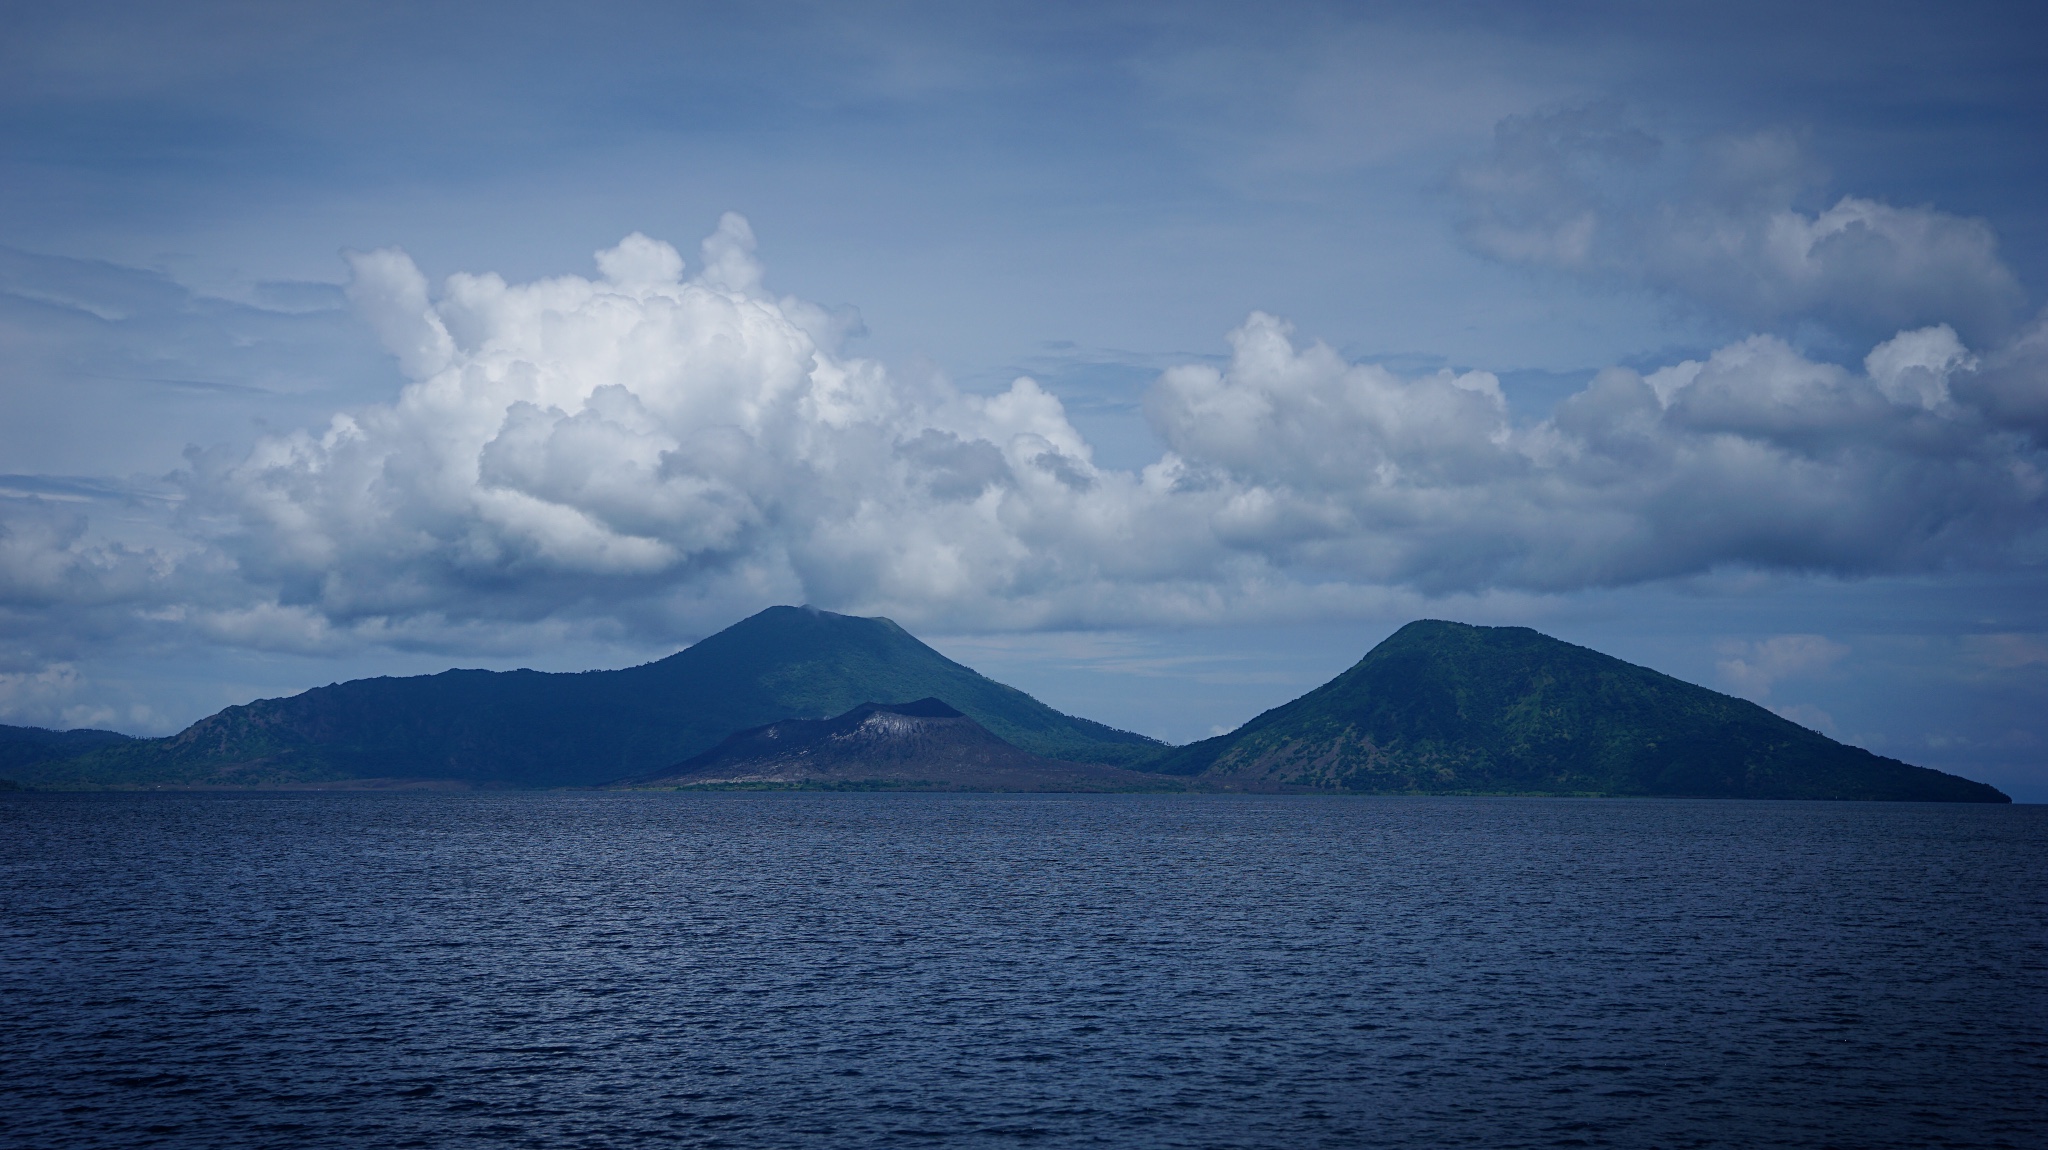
(568, 970)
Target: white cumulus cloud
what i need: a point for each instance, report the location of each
(653, 453)
(1756, 456)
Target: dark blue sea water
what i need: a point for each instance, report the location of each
(572, 970)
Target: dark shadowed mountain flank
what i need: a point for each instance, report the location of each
(526, 728)
(925, 745)
(1445, 708)
(23, 750)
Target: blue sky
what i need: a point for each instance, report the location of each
(1707, 335)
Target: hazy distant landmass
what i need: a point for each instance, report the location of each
(1438, 708)
(922, 745)
(25, 749)
(1446, 708)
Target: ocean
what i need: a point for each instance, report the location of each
(883, 970)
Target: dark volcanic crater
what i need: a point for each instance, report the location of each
(925, 745)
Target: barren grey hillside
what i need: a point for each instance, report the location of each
(923, 745)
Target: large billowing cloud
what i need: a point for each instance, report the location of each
(653, 453)
(642, 445)
(1755, 457)
(1719, 224)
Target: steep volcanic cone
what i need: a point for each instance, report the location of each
(925, 745)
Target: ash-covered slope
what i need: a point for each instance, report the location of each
(527, 728)
(1446, 708)
(924, 745)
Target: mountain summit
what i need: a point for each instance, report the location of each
(527, 728)
(1446, 708)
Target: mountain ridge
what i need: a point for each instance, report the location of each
(25, 748)
(1437, 708)
(533, 728)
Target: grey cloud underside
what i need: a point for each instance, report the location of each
(1731, 224)
(651, 453)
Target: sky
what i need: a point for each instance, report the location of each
(1156, 359)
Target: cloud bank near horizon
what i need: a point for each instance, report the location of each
(655, 453)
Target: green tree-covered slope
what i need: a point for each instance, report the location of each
(24, 749)
(1448, 708)
(527, 728)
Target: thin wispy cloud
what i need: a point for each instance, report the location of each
(1718, 223)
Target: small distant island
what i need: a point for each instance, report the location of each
(795, 697)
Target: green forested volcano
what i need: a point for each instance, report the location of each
(1449, 708)
(527, 728)
(1438, 708)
